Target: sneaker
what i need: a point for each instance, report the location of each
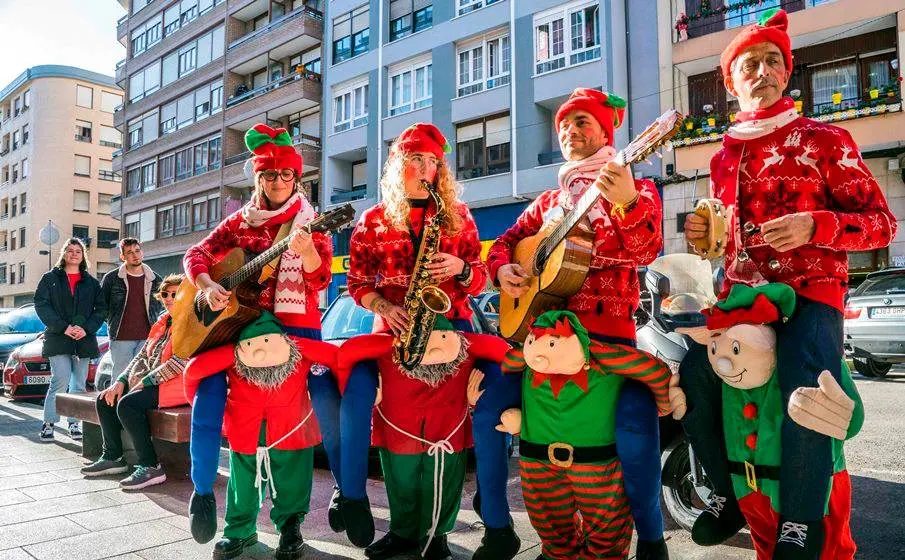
(720, 521)
(106, 466)
(796, 541)
(47, 432)
(75, 431)
(143, 477)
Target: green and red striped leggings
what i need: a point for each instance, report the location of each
(579, 512)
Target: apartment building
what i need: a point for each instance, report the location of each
(847, 72)
(56, 145)
(490, 74)
(197, 75)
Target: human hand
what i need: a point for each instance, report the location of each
(513, 280)
(444, 266)
(393, 315)
(474, 391)
(617, 184)
(301, 243)
(789, 232)
(217, 296)
(112, 393)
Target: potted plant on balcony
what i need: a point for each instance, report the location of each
(682, 26)
(796, 95)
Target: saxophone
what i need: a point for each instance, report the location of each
(424, 300)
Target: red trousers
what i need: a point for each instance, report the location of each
(838, 543)
(579, 512)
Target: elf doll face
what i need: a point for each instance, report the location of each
(267, 350)
(442, 348)
(743, 356)
(552, 354)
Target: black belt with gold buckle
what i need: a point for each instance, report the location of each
(565, 455)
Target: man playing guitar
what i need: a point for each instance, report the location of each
(627, 233)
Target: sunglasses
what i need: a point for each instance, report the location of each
(167, 295)
(285, 174)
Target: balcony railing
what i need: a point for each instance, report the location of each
(120, 63)
(358, 192)
(122, 20)
(289, 78)
(733, 13)
(109, 144)
(117, 153)
(310, 12)
(105, 175)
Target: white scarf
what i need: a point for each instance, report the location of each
(749, 130)
(290, 290)
(576, 176)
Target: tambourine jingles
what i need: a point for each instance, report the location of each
(712, 246)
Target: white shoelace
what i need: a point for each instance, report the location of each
(262, 459)
(716, 505)
(795, 533)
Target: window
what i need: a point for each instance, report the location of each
(466, 6)
(181, 217)
(836, 77)
(132, 226)
(16, 136)
(491, 57)
(26, 99)
(22, 199)
(741, 16)
(350, 107)
(2, 273)
(167, 169)
(185, 110)
(105, 170)
(165, 221)
(110, 137)
(81, 201)
(188, 11)
(213, 209)
(13, 205)
(410, 87)
(107, 237)
(15, 172)
(104, 202)
(192, 55)
(215, 153)
(350, 34)
(187, 58)
(84, 96)
(147, 35)
(17, 104)
(149, 176)
(409, 16)
(110, 101)
(22, 237)
(82, 131)
(566, 37)
(199, 214)
(144, 82)
(482, 147)
(24, 134)
(133, 181)
(12, 274)
(12, 242)
(25, 170)
(183, 164)
(21, 273)
(216, 96)
(82, 166)
(201, 158)
(82, 232)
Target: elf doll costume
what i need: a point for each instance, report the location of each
(624, 239)
(567, 422)
(742, 348)
(271, 430)
(775, 163)
(423, 427)
(291, 294)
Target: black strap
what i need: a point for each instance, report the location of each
(541, 452)
(767, 472)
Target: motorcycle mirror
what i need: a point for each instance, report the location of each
(719, 276)
(663, 287)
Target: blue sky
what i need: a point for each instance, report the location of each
(72, 32)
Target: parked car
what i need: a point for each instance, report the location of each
(26, 374)
(18, 327)
(875, 323)
(103, 377)
(489, 305)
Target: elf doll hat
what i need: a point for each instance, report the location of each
(771, 28)
(767, 303)
(272, 149)
(562, 324)
(608, 109)
(423, 137)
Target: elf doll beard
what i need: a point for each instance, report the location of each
(270, 377)
(435, 374)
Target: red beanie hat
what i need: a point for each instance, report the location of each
(423, 137)
(606, 108)
(772, 28)
(272, 149)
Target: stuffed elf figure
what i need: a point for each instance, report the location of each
(742, 350)
(271, 429)
(567, 425)
(423, 427)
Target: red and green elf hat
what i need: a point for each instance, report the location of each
(272, 149)
(562, 323)
(423, 137)
(608, 109)
(767, 303)
(771, 28)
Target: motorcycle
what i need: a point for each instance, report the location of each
(678, 287)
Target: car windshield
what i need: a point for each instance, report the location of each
(882, 285)
(21, 321)
(344, 320)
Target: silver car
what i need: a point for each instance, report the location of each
(875, 323)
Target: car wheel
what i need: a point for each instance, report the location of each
(868, 367)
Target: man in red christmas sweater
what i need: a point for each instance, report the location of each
(799, 197)
(627, 233)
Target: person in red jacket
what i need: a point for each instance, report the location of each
(627, 226)
(270, 427)
(800, 197)
(382, 257)
(291, 294)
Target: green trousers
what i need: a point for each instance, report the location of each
(410, 490)
(292, 473)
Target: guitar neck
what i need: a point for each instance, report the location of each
(256, 265)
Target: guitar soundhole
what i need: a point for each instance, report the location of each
(203, 313)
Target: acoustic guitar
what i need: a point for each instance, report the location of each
(558, 257)
(197, 328)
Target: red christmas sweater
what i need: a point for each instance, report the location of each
(381, 259)
(800, 165)
(607, 302)
(235, 232)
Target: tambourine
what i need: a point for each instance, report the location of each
(712, 246)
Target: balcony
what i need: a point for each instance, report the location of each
(290, 94)
(295, 32)
(119, 118)
(357, 192)
(117, 163)
(731, 14)
(120, 75)
(116, 207)
(122, 30)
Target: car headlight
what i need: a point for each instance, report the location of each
(12, 362)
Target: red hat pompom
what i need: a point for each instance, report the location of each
(772, 28)
(607, 109)
(423, 137)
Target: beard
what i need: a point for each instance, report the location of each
(435, 374)
(269, 377)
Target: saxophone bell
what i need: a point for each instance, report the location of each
(435, 300)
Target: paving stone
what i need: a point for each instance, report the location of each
(7, 460)
(30, 532)
(116, 516)
(111, 542)
(69, 488)
(12, 497)
(55, 465)
(16, 554)
(120, 496)
(54, 507)
(26, 480)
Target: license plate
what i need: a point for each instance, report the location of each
(37, 380)
(887, 312)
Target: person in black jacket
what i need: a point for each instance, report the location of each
(70, 304)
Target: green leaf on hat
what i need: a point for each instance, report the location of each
(765, 17)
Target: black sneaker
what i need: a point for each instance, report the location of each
(652, 550)
(203, 517)
(75, 431)
(798, 541)
(228, 547)
(335, 512)
(143, 477)
(720, 521)
(47, 432)
(103, 467)
(438, 549)
(498, 544)
(359, 521)
(389, 546)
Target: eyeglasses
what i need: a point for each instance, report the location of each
(422, 161)
(167, 295)
(284, 174)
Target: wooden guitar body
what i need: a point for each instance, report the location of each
(196, 328)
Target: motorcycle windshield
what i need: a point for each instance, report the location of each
(690, 286)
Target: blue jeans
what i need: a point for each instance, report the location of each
(122, 352)
(638, 448)
(69, 374)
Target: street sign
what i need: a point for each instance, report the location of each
(49, 234)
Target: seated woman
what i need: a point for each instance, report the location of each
(153, 379)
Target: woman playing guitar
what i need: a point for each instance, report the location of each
(291, 293)
(382, 255)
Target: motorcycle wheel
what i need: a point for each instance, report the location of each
(684, 501)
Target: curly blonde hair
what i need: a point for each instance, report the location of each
(395, 201)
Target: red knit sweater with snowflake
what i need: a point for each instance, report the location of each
(235, 232)
(609, 297)
(801, 166)
(381, 259)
